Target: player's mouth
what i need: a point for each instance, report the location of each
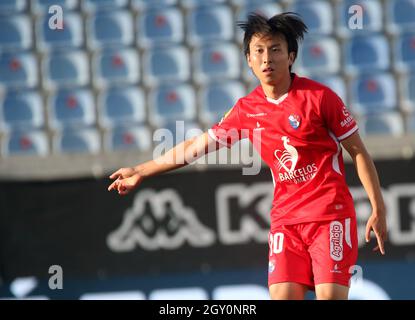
(268, 70)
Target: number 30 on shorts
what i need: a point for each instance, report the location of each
(276, 242)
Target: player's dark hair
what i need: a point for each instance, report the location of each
(288, 24)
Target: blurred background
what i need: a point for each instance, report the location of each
(84, 85)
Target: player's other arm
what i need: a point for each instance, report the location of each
(368, 176)
(127, 179)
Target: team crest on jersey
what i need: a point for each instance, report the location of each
(294, 121)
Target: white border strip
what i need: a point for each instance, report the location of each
(348, 133)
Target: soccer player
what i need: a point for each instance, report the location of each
(313, 237)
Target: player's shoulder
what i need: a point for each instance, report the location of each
(316, 89)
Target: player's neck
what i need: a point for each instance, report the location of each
(277, 90)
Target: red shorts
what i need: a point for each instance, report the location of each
(313, 253)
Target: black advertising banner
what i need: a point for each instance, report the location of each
(192, 221)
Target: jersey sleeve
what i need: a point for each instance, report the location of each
(228, 130)
(336, 116)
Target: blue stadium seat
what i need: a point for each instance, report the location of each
(213, 23)
(123, 105)
(121, 138)
(77, 141)
(160, 26)
(389, 123)
(372, 19)
(374, 93)
(145, 4)
(42, 6)
(366, 54)
(317, 15)
(25, 143)
(405, 52)
(335, 83)
(70, 36)
(242, 3)
(71, 108)
(218, 98)
(21, 110)
(97, 5)
(112, 28)
(8, 7)
(318, 55)
(170, 103)
(216, 61)
(400, 15)
(408, 93)
(178, 131)
(116, 66)
(166, 64)
(69, 68)
(196, 3)
(18, 70)
(265, 8)
(15, 32)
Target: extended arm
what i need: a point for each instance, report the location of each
(368, 176)
(181, 155)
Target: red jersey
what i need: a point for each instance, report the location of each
(299, 140)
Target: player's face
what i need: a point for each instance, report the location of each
(269, 58)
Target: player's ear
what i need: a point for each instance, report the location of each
(248, 60)
(291, 58)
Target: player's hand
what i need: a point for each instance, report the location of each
(126, 180)
(377, 224)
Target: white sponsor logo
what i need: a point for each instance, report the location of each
(335, 269)
(254, 115)
(287, 159)
(336, 241)
(159, 220)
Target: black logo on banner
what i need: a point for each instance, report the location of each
(159, 220)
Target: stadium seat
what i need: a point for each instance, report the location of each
(317, 15)
(166, 64)
(42, 6)
(116, 66)
(372, 19)
(265, 8)
(216, 61)
(21, 110)
(25, 143)
(389, 123)
(160, 26)
(400, 15)
(196, 3)
(121, 105)
(408, 93)
(218, 98)
(18, 70)
(15, 32)
(70, 36)
(112, 28)
(172, 103)
(335, 83)
(77, 141)
(318, 55)
(243, 3)
(71, 108)
(69, 68)
(97, 5)
(405, 52)
(373, 93)
(366, 54)
(144, 4)
(137, 138)
(8, 7)
(177, 130)
(211, 23)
